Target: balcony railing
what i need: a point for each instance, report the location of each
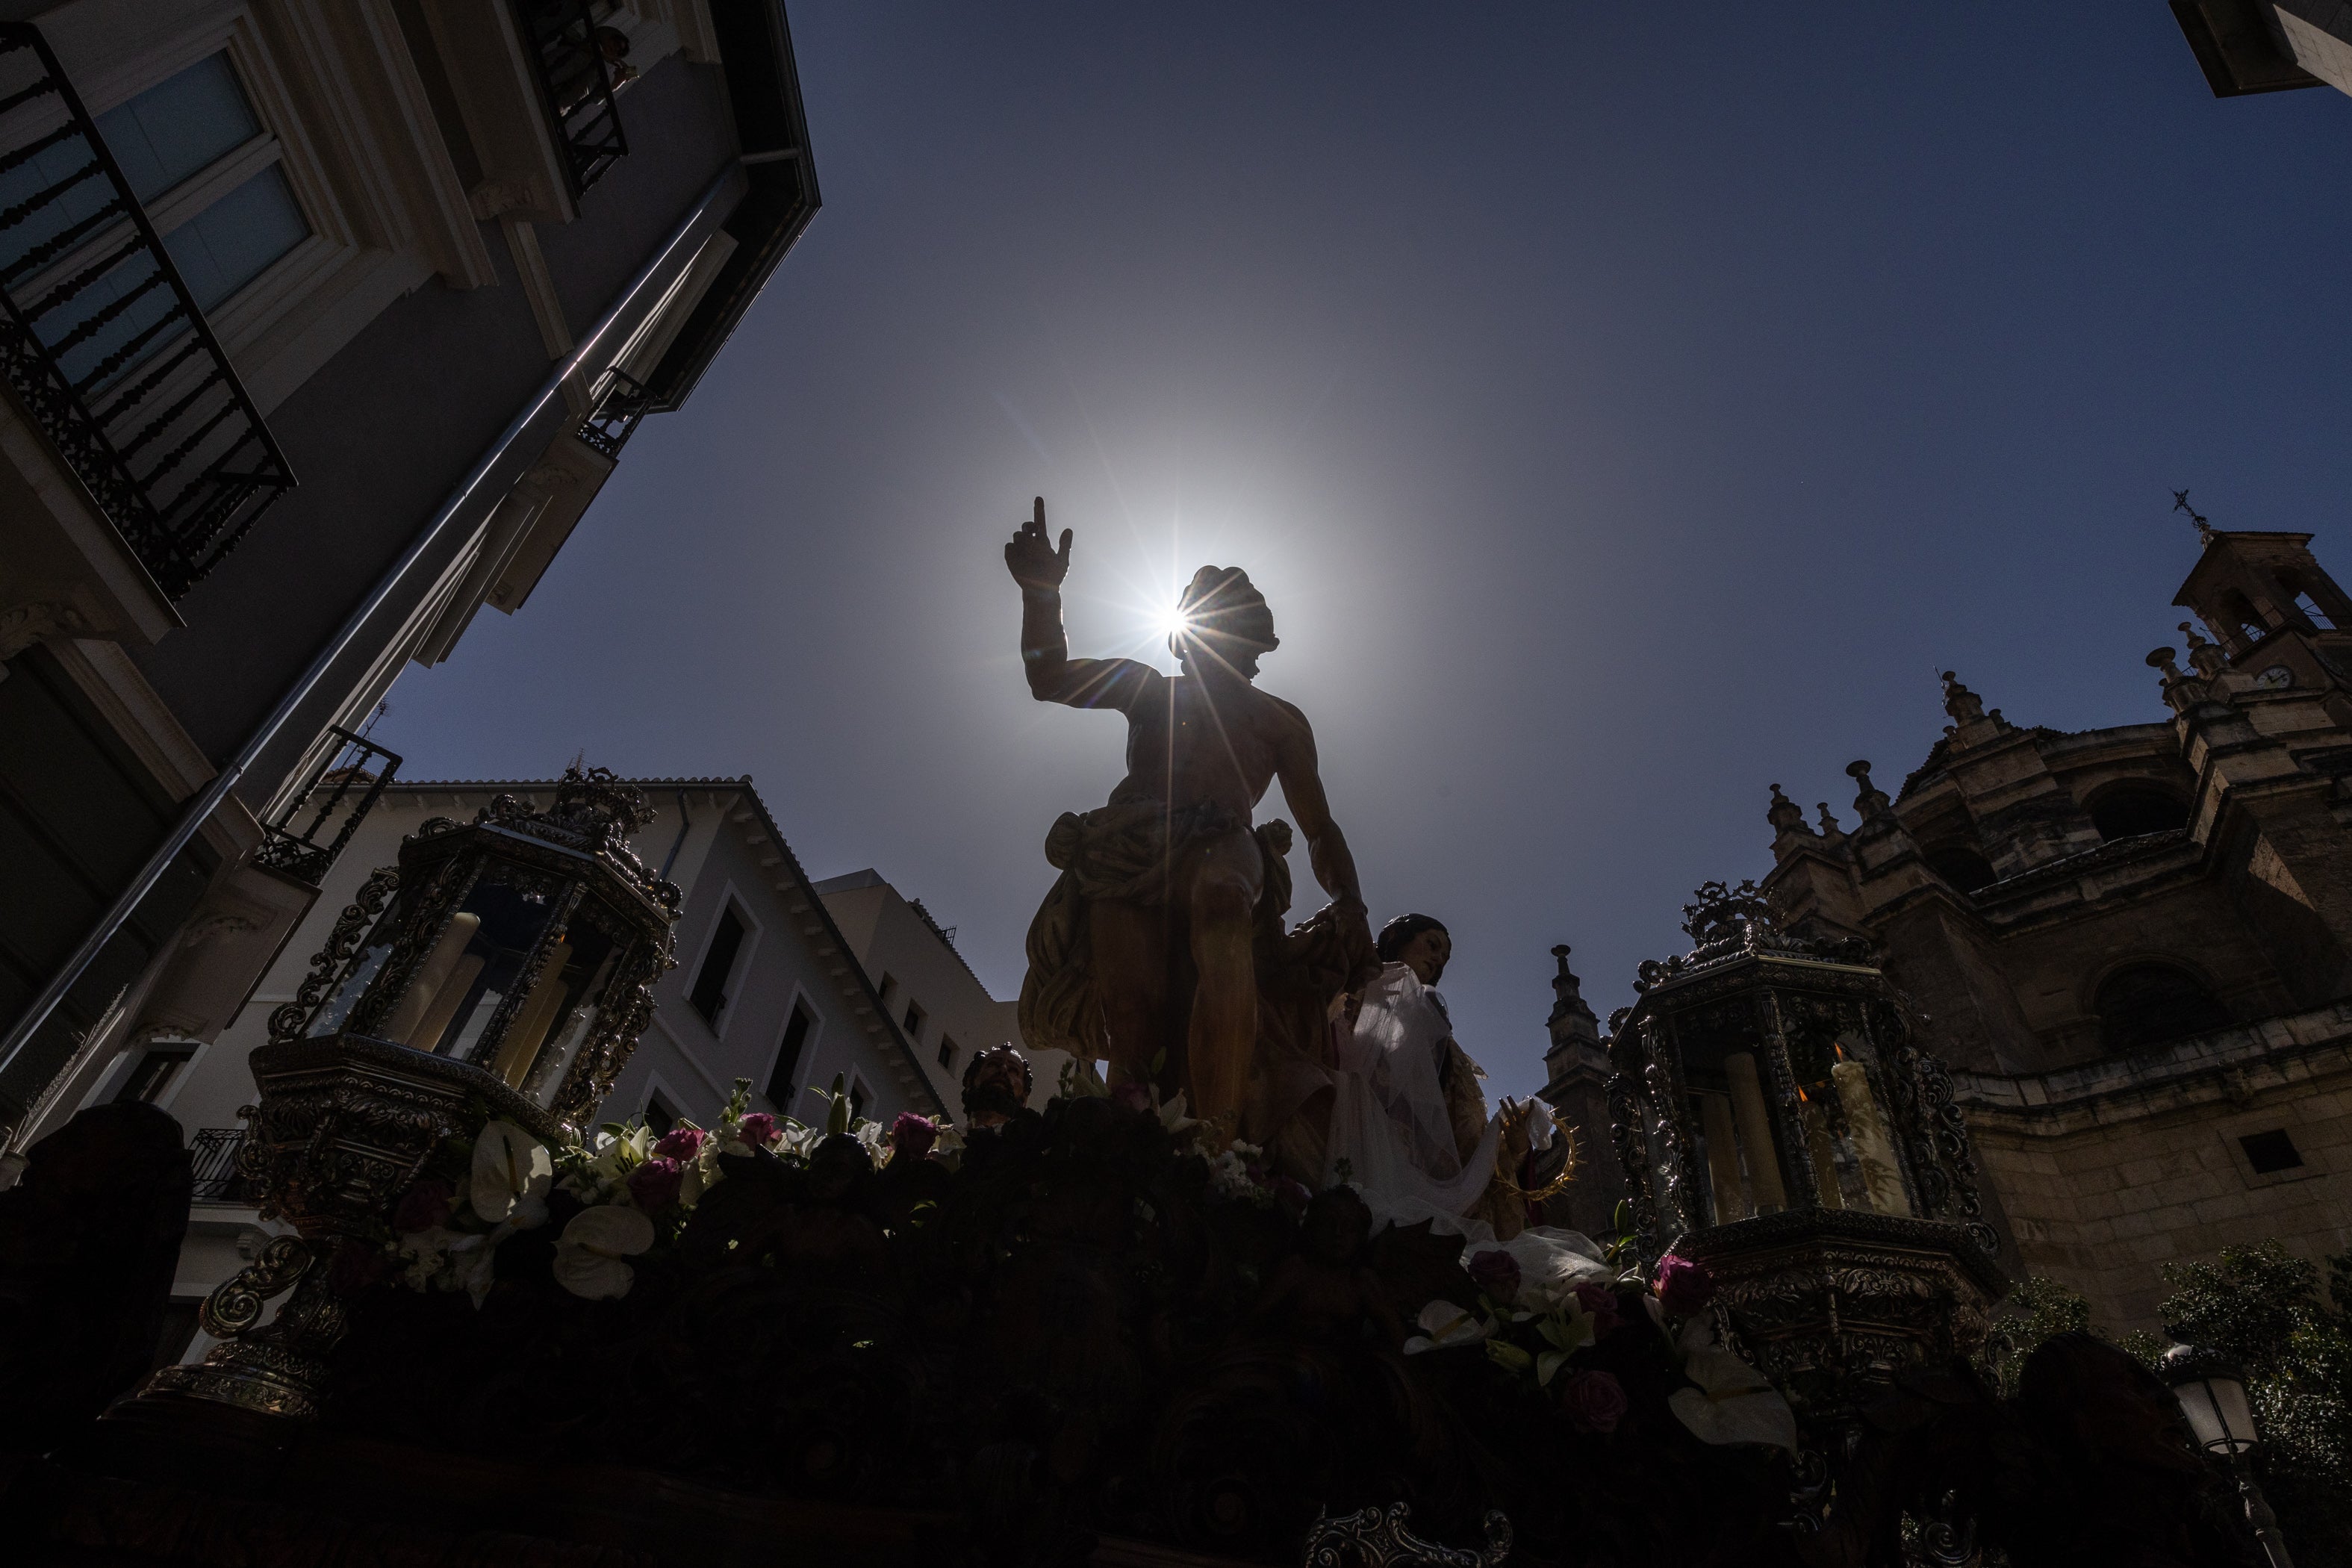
(213, 1154)
(614, 418)
(104, 346)
(334, 800)
(578, 62)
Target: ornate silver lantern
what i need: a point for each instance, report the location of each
(508, 962)
(1777, 1123)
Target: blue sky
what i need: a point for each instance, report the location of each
(1623, 408)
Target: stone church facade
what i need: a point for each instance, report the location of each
(2132, 945)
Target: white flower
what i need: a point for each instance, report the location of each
(1445, 1326)
(590, 1253)
(472, 1261)
(512, 1172)
(1172, 1118)
(1733, 1402)
(427, 1252)
(1552, 1264)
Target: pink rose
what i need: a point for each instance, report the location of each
(913, 1135)
(1683, 1287)
(757, 1130)
(426, 1203)
(656, 1182)
(681, 1143)
(1595, 1400)
(1132, 1095)
(1601, 1303)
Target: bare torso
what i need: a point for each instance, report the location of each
(1187, 742)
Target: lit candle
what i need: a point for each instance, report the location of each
(1873, 1149)
(1722, 1158)
(1755, 1133)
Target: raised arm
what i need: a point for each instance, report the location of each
(1327, 846)
(1054, 674)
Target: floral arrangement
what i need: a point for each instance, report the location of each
(634, 1189)
(1547, 1297)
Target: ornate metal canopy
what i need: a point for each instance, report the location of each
(1776, 1121)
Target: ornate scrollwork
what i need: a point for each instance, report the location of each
(1377, 1538)
(351, 927)
(1626, 1131)
(237, 1302)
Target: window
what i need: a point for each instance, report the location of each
(883, 990)
(914, 1021)
(856, 1099)
(2128, 811)
(154, 1074)
(947, 1052)
(659, 1117)
(709, 994)
(2148, 1004)
(2313, 613)
(2270, 1152)
(1962, 867)
(207, 170)
(788, 1058)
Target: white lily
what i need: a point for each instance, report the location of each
(1445, 1326)
(512, 1171)
(590, 1255)
(1733, 1402)
(473, 1262)
(427, 1253)
(1172, 1117)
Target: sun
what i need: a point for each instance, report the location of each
(1169, 622)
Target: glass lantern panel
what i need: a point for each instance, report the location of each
(570, 983)
(2216, 1409)
(358, 975)
(473, 968)
(1729, 1114)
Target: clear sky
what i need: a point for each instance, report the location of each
(1622, 407)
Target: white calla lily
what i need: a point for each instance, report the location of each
(1733, 1402)
(592, 1253)
(512, 1171)
(1444, 1325)
(1552, 1264)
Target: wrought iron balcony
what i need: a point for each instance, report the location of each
(335, 799)
(214, 1153)
(578, 63)
(614, 418)
(104, 346)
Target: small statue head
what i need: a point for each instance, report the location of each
(1335, 1227)
(1226, 620)
(1420, 942)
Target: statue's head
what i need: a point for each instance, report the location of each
(1420, 940)
(1226, 622)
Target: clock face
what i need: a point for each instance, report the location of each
(2276, 678)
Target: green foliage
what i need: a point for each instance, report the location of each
(2038, 1309)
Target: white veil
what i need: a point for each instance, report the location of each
(1389, 1119)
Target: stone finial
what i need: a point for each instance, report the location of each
(1965, 706)
(2181, 692)
(2162, 658)
(1869, 800)
(1568, 999)
(2206, 658)
(1785, 814)
(1828, 828)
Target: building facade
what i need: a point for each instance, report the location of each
(946, 1013)
(2133, 945)
(2268, 46)
(767, 989)
(321, 321)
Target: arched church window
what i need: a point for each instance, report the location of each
(2128, 811)
(2148, 1004)
(1961, 865)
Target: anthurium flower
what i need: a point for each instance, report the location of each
(512, 1172)
(1444, 1326)
(1733, 1402)
(590, 1255)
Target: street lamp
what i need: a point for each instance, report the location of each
(2212, 1394)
